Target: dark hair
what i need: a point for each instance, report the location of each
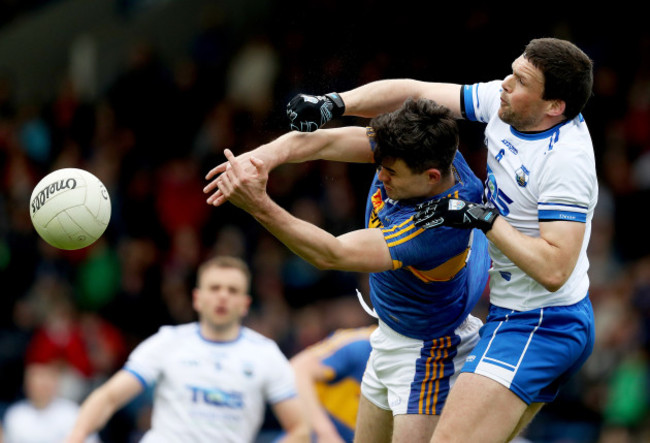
(422, 133)
(568, 72)
(225, 262)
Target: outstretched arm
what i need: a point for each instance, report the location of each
(383, 96)
(307, 113)
(364, 250)
(102, 403)
(340, 144)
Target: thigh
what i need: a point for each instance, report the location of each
(413, 428)
(374, 424)
(479, 409)
(528, 416)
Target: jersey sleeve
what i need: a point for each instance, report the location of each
(280, 383)
(481, 101)
(145, 362)
(566, 187)
(348, 360)
(423, 248)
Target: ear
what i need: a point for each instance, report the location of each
(434, 175)
(195, 299)
(556, 108)
(249, 301)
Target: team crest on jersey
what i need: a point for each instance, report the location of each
(248, 369)
(521, 176)
(377, 203)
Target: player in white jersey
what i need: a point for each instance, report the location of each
(43, 416)
(541, 192)
(211, 379)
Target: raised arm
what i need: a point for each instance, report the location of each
(306, 113)
(102, 403)
(340, 144)
(364, 250)
(383, 96)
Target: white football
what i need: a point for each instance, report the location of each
(70, 208)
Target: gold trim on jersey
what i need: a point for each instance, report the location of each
(443, 272)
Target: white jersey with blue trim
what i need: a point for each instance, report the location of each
(206, 390)
(533, 178)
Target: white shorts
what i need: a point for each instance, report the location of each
(410, 376)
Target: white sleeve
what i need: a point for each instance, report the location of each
(146, 361)
(567, 183)
(280, 383)
(481, 101)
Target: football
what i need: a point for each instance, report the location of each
(70, 208)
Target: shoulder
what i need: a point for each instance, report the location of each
(252, 338)
(471, 186)
(571, 150)
(183, 330)
(16, 409)
(167, 335)
(480, 100)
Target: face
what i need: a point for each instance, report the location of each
(41, 383)
(401, 183)
(221, 298)
(522, 105)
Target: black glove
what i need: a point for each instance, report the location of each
(309, 112)
(455, 213)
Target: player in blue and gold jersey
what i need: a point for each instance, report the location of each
(423, 283)
(328, 377)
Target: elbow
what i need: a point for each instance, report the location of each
(325, 262)
(554, 281)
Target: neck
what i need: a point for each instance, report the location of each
(219, 332)
(545, 125)
(444, 184)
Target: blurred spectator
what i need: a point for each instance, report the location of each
(43, 416)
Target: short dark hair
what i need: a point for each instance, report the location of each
(422, 133)
(568, 72)
(225, 262)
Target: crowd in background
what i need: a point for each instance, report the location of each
(162, 124)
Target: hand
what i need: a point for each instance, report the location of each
(242, 182)
(307, 113)
(455, 213)
(217, 198)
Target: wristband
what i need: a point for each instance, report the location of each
(339, 106)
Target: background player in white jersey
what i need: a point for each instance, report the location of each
(212, 378)
(541, 193)
(43, 416)
(423, 296)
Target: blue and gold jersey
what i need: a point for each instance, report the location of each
(438, 274)
(345, 354)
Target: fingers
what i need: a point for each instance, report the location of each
(258, 164)
(231, 160)
(216, 170)
(228, 174)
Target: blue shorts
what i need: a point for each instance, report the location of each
(533, 353)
